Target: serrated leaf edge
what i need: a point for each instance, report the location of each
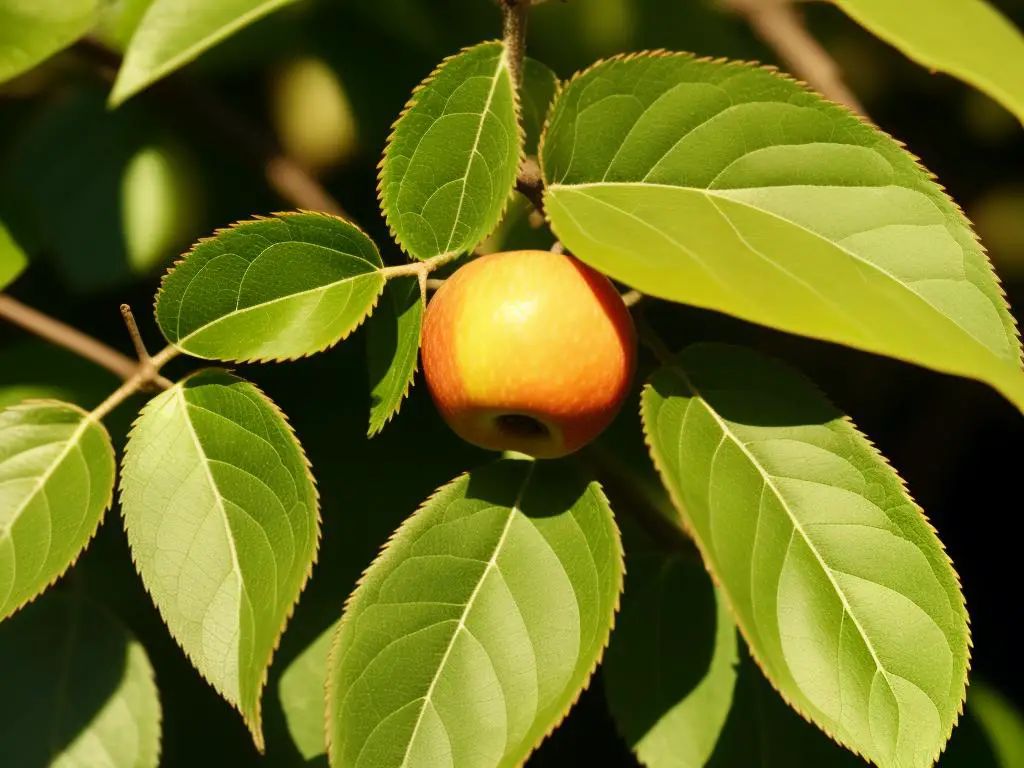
(88, 420)
(254, 724)
(412, 102)
(278, 215)
(1004, 311)
(371, 432)
(352, 598)
(663, 474)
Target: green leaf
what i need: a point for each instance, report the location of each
(762, 731)
(223, 523)
(539, 87)
(731, 188)
(451, 162)
(473, 633)
(841, 587)
(969, 39)
(393, 346)
(12, 258)
(174, 32)
(271, 289)
(1001, 722)
(301, 692)
(671, 665)
(56, 480)
(31, 32)
(118, 21)
(76, 689)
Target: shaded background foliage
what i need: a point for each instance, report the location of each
(103, 201)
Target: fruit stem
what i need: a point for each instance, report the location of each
(632, 298)
(419, 269)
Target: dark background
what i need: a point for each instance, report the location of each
(62, 168)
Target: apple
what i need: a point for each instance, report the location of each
(528, 351)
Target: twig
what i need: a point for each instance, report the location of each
(781, 26)
(64, 335)
(418, 268)
(515, 15)
(530, 184)
(146, 364)
(285, 175)
(144, 376)
(434, 283)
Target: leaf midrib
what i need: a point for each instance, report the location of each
(238, 312)
(183, 405)
(492, 563)
(502, 66)
(797, 525)
(872, 265)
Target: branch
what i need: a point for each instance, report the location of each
(65, 336)
(419, 269)
(285, 175)
(515, 14)
(530, 184)
(146, 374)
(781, 26)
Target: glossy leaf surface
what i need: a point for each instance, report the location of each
(475, 630)
(451, 163)
(171, 33)
(223, 523)
(969, 39)
(841, 587)
(732, 188)
(271, 289)
(56, 480)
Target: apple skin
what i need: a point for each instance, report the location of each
(528, 351)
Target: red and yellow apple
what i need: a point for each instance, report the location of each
(528, 351)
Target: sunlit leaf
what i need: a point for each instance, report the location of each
(671, 665)
(172, 33)
(841, 587)
(301, 692)
(538, 91)
(12, 258)
(33, 31)
(393, 346)
(451, 163)
(56, 480)
(969, 39)
(474, 632)
(76, 689)
(271, 289)
(729, 187)
(118, 20)
(222, 519)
